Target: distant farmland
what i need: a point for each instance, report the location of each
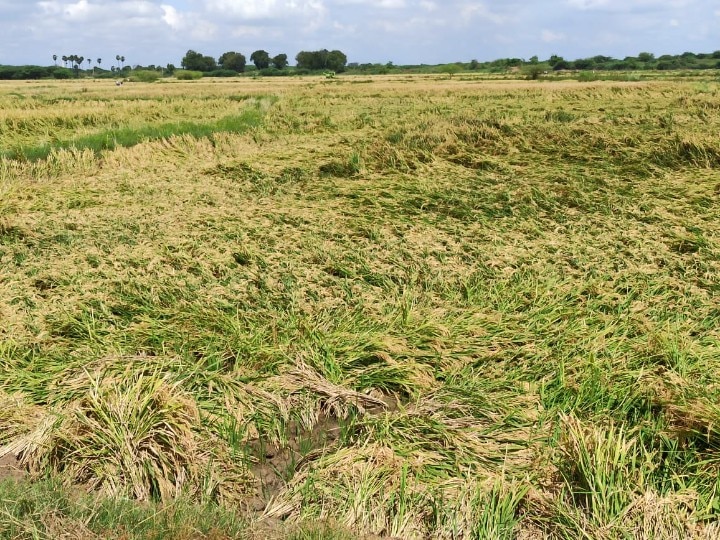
(408, 306)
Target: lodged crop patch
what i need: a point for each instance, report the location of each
(413, 307)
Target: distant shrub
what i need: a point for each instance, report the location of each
(449, 69)
(274, 72)
(587, 76)
(144, 75)
(188, 75)
(62, 73)
(18, 73)
(221, 73)
(533, 72)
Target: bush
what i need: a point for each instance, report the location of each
(449, 69)
(62, 73)
(221, 73)
(274, 72)
(188, 75)
(144, 75)
(533, 72)
(19, 73)
(587, 76)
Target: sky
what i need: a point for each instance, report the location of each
(377, 31)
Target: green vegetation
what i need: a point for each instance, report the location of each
(195, 61)
(188, 75)
(47, 510)
(308, 62)
(419, 307)
(99, 138)
(146, 75)
(322, 60)
(261, 59)
(232, 61)
(17, 73)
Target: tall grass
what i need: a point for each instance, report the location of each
(130, 136)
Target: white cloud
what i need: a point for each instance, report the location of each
(470, 10)
(86, 10)
(548, 36)
(264, 9)
(204, 30)
(629, 6)
(392, 4)
(172, 17)
(587, 4)
(403, 31)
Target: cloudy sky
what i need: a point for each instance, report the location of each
(401, 31)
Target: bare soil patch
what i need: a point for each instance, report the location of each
(10, 468)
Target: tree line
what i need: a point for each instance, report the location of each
(76, 61)
(234, 61)
(231, 63)
(643, 61)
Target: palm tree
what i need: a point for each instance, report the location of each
(64, 59)
(122, 60)
(55, 59)
(117, 57)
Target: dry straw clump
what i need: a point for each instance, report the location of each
(139, 436)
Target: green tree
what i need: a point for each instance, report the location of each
(584, 63)
(555, 60)
(336, 61)
(449, 69)
(55, 58)
(196, 61)
(280, 61)
(261, 59)
(306, 60)
(232, 60)
(646, 57)
(474, 64)
(62, 73)
(533, 71)
(322, 59)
